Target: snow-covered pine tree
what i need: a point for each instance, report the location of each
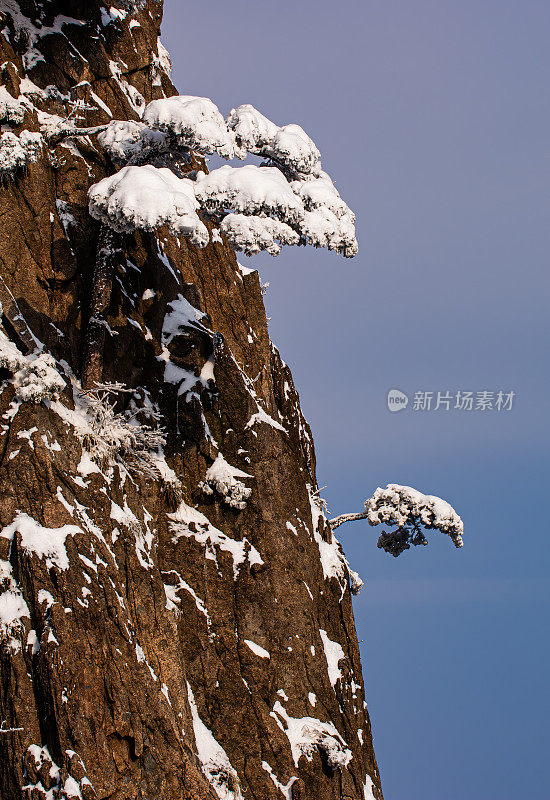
(288, 200)
(408, 511)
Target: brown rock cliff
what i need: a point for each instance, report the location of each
(146, 652)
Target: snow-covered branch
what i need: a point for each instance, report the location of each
(410, 511)
(147, 197)
(258, 208)
(343, 518)
(288, 146)
(253, 234)
(196, 122)
(123, 140)
(250, 190)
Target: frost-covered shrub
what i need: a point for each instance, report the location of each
(172, 488)
(195, 122)
(110, 436)
(38, 379)
(249, 190)
(172, 492)
(35, 377)
(145, 198)
(18, 151)
(253, 234)
(12, 111)
(125, 139)
(223, 478)
(32, 143)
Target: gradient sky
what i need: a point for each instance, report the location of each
(433, 117)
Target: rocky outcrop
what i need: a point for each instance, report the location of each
(175, 612)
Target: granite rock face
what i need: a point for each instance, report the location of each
(180, 628)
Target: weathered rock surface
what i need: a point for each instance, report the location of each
(152, 648)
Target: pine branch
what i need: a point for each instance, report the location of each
(337, 521)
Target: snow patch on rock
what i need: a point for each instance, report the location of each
(263, 416)
(367, 789)
(333, 560)
(333, 654)
(256, 649)
(308, 735)
(285, 789)
(47, 543)
(215, 762)
(191, 523)
(13, 608)
(181, 315)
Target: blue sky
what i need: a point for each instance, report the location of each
(433, 117)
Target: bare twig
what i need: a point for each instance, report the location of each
(9, 730)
